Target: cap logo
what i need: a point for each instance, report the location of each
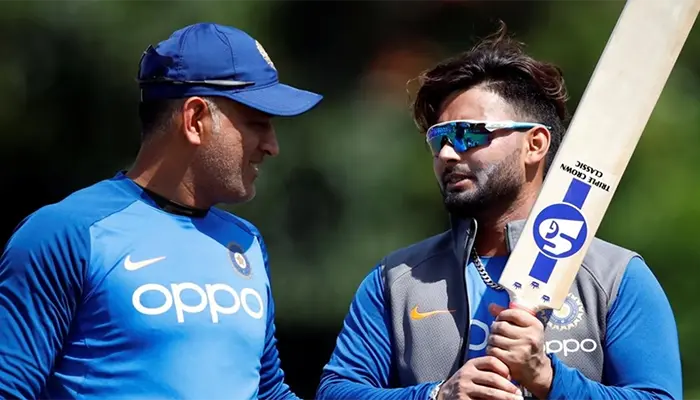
(264, 54)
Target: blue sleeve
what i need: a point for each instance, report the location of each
(40, 287)
(642, 356)
(272, 385)
(360, 365)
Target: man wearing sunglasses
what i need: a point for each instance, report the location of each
(431, 321)
(138, 287)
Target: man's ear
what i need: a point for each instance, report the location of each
(537, 143)
(196, 119)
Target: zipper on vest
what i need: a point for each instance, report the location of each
(468, 243)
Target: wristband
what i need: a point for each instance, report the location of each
(435, 391)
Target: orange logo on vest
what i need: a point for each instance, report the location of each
(417, 315)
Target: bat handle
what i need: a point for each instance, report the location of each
(514, 304)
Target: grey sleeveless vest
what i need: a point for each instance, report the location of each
(431, 275)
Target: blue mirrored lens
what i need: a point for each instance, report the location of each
(462, 136)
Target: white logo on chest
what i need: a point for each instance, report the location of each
(205, 300)
(216, 299)
(133, 266)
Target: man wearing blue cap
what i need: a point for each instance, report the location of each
(137, 287)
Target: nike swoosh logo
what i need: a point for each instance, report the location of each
(133, 266)
(417, 315)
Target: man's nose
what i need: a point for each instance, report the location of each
(448, 154)
(269, 143)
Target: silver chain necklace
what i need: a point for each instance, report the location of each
(482, 271)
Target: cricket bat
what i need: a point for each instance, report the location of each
(603, 133)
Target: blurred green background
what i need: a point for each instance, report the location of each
(354, 179)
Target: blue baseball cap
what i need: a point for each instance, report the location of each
(207, 59)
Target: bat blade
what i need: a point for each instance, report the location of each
(606, 127)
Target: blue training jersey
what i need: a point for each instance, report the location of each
(361, 364)
(105, 295)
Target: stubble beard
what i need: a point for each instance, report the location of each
(222, 176)
(495, 189)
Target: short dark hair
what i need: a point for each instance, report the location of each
(535, 89)
(156, 115)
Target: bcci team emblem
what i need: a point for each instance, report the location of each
(239, 260)
(568, 316)
(264, 54)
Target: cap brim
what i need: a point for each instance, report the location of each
(278, 99)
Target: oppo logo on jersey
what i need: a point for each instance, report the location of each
(566, 346)
(190, 298)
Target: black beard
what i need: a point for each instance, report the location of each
(495, 189)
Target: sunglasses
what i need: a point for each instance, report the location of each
(466, 134)
(164, 62)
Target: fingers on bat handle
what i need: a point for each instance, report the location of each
(521, 307)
